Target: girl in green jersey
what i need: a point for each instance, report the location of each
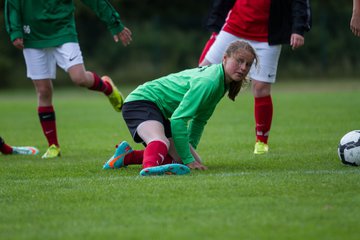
(168, 114)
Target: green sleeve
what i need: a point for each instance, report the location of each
(196, 126)
(13, 19)
(198, 95)
(107, 13)
(181, 140)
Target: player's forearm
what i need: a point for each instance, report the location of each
(195, 154)
(196, 129)
(356, 6)
(181, 140)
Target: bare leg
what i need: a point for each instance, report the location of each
(80, 76)
(46, 112)
(44, 92)
(157, 145)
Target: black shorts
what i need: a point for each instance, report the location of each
(137, 112)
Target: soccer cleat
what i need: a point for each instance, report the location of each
(117, 160)
(261, 148)
(25, 150)
(52, 152)
(168, 169)
(115, 98)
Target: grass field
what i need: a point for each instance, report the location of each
(300, 190)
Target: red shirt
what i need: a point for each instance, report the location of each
(249, 19)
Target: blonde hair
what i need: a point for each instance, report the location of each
(235, 87)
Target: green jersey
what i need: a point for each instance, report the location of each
(51, 23)
(187, 99)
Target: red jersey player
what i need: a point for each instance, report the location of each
(266, 25)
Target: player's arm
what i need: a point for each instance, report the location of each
(185, 112)
(195, 154)
(355, 18)
(195, 129)
(181, 139)
(13, 22)
(301, 19)
(197, 125)
(197, 163)
(218, 13)
(107, 13)
(181, 142)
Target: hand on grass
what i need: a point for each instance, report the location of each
(196, 165)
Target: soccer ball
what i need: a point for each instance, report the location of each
(349, 148)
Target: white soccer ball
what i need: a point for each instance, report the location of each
(349, 148)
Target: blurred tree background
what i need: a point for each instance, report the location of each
(168, 36)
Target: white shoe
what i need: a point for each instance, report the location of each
(25, 150)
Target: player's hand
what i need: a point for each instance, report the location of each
(355, 24)
(195, 154)
(19, 43)
(196, 165)
(124, 36)
(296, 41)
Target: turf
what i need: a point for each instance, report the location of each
(300, 190)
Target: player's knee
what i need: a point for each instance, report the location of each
(78, 75)
(260, 89)
(163, 140)
(79, 79)
(44, 94)
(167, 142)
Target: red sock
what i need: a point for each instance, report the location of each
(101, 85)
(154, 154)
(4, 148)
(134, 158)
(48, 124)
(263, 117)
(168, 159)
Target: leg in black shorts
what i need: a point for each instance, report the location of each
(137, 112)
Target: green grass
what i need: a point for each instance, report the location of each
(300, 190)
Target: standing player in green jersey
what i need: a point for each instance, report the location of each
(169, 114)
(45, 31)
